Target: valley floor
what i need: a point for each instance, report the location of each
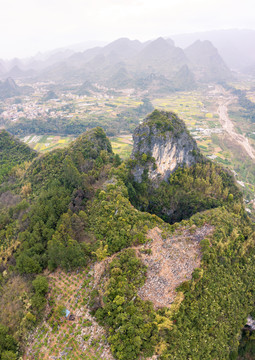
(228, 125)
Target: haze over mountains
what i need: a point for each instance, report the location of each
(162, 65)
(156, 64)
(236, 47)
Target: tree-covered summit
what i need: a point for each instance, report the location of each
(69, 165)
(165, 121)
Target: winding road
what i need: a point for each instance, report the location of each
(228, 126)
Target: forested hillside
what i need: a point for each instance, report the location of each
(12, 152)
(86, 250)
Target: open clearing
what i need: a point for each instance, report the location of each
(171, 262)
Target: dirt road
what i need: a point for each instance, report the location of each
(228, 126)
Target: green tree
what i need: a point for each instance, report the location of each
(40, 285)
(28, 265)
(7, 342)
(8, 355)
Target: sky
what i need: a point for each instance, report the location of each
(30, 26)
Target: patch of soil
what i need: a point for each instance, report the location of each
(171, 262)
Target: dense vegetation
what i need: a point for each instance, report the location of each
(131, 322)
(165, 121)
(40, 222)
(59, 181)
(188, 191)
(219, 297)
(246, 348)
(114, 221)
(12, 153)
(71, 207)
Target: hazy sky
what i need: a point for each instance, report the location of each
(29, 26)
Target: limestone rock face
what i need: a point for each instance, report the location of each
(162, 144)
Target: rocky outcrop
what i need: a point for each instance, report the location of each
(170, 261)
(250, 323)
(162, 143)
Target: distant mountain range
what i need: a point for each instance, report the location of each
(156, 65)
(236, 47)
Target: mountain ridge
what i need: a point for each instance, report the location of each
(158, 57)
(234, 45)
(207, 62)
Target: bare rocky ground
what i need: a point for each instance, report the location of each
(171, 262)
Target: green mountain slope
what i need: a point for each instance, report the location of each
(135, 285)
(12, 152)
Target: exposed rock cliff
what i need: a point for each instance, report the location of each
(162, 144)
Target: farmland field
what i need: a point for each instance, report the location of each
(122, 145)
(43, 143)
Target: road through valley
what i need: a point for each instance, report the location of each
(228, 126)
